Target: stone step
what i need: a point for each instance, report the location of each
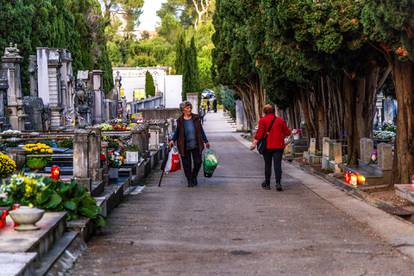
(19, 264)
(52, 257)
(40, 242)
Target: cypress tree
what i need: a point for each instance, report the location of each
(149, 85)
(180, 55)
(190, 70)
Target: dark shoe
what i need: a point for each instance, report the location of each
(190, 184)
(195, 183)
(265, 186)
(279, 187)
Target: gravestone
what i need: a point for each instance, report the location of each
(312, 146)
(34, 108)
(337, 152)
(366, 149)
(154, 139)
(325, 146)
(3, 100)
(325, 152)
(33, 75)
(385, 157)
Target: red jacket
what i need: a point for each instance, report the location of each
(276, 137)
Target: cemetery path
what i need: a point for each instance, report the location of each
(228, 225)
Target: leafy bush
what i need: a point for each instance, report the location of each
(228, 100)
(52, 195)
(66, 143)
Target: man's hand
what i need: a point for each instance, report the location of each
(207, 145)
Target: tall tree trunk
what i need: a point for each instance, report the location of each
(403, 74)
(359, 98)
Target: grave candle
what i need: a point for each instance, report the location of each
(361, 179)
(354, 180)
(412, 179)
(55, 172)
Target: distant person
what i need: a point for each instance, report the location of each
(202, 113)
(215, 105)
(191, 140)
(276, 130)
(208, 105)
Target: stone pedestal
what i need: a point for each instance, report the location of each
(97, 87)
(10, 68)
(80, 158)
(193, 99)
(385, 157)
(94, 152)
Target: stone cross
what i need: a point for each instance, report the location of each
(385, 157)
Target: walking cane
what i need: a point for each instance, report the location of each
(163, 164)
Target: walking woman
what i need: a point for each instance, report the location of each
(276, 130)
(190, 139)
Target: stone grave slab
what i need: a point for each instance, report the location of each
(405, 191)
(17, 263)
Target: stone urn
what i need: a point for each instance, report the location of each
(26, 218)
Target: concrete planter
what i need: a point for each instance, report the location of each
(26, 218)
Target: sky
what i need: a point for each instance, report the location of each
(148, 19)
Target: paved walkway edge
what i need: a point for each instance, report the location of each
(395, 231)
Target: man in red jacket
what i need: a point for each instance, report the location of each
(275, 144)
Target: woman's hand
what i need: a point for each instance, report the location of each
(253, 145)
(207, 145)
(170, 144)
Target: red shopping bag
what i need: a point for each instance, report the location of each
(173, 162)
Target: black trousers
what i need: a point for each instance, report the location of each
(187, 159)
(275, 155)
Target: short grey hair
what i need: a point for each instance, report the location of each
(185, 104)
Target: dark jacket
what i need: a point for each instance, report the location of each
(276, 137)
(179, 134)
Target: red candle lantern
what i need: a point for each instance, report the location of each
(347, 177)
(55, 172)
(3, 215)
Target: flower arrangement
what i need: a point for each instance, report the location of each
(38, 148)
(115, 159)
(384, 134)
(7, 165)
(37, 163)
(105, 127)
(52, 195)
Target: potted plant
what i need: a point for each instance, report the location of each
(51, 195)
(37, 161)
